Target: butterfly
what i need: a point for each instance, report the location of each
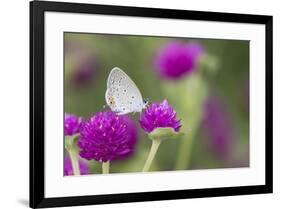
(122, 94)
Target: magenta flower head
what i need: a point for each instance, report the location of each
(132, 128)
(160, 122)
(160, 115)
(72, 124)
(218, 125)
(178, 59)
(107, 136)
(68, 171)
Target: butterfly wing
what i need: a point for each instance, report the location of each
(122, 94)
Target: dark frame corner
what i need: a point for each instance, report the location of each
(37, 196)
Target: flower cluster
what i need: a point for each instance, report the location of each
(178, 59)
(159, 115)
(107, 136)
(72, 124)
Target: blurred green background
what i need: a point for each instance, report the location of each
(213, 102)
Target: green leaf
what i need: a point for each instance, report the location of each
(164, 133)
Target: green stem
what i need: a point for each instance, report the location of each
(151, 155)
(183, 159)
(185, 148)
(74, 162)
(105, 167)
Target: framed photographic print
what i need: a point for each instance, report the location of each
(135, 104)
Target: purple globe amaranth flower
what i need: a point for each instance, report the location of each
(85, 72)
(133, 132)
(218, 126)
(72, 124)
(159, 115)
(177, 59)
(107, 136)
(196, 51)
(68, 170)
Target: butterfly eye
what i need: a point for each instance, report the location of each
(145, 102)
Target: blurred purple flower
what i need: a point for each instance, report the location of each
(68, 171)
(72, 124)
(196, 51)
(85, 72)
(177, 59)
(218, 126)
(159, 115)
(107, 136)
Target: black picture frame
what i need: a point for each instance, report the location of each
(37, 101)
